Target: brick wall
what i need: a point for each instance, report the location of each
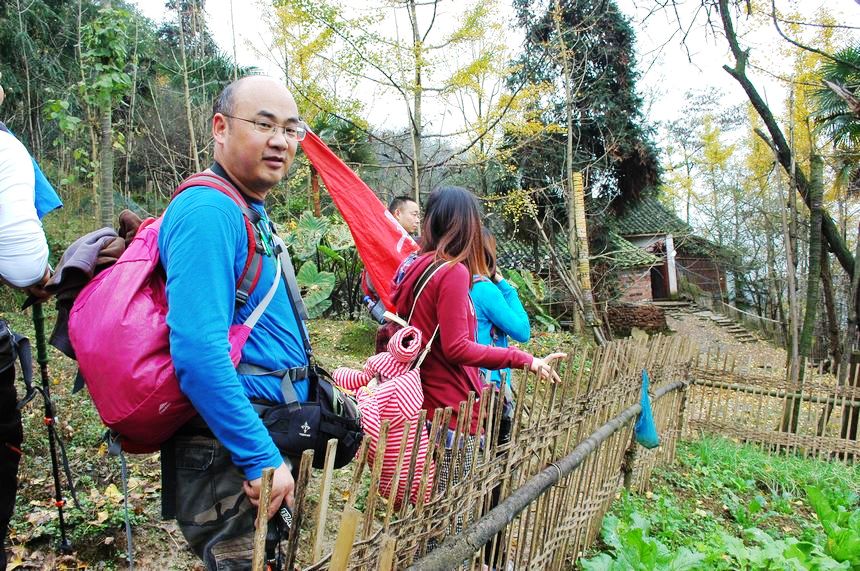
(634, 285)
(623, 316)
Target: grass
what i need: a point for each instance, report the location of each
(725, 505)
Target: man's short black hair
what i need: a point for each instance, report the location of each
(224, 103)
(399, 201)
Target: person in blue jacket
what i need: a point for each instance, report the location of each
(498, 309)
(212, 469)
(500, 315)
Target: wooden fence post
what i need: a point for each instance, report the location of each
(325, 492)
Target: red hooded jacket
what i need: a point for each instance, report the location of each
(450, 370)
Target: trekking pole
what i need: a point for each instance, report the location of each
(50, 423)
(259, 561)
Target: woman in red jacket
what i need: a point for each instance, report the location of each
(452, 233)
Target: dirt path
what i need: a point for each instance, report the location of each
(710, 336)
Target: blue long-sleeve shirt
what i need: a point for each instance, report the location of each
(203, 246)
(500, 314)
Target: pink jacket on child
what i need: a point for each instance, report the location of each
(396, 397)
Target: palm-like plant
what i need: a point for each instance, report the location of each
(838, 111)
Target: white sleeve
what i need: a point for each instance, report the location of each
(23, 246)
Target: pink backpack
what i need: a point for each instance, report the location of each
(118, 331)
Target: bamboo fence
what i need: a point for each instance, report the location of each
(570, 453)
(752, 403)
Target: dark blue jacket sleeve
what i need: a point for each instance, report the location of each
(202, 243)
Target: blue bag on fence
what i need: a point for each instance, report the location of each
(645, 429)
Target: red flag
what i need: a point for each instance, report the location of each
(381, 242)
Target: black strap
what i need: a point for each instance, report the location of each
(23, 353)
(80, 382)
(296, 301)
(426, 275)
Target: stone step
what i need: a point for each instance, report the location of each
(671, 304)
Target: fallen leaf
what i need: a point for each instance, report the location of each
(113, 494)
(17, 560)
(101, 517)
(41, 517)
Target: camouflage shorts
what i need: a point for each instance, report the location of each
(209, 504)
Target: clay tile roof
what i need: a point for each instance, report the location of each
(651, 217)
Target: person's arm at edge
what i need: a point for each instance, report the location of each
(455, 337)
(25, 248)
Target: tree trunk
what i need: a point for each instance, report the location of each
(584, 267)
(814, 270)
(689, 186)
(315, 192)
(791, 412)
(31, 132)
(94, 153)
(106, 202)
(783, 152)
(233, 32)
(417, 53)
(129, 135)
(830, 308)
(847, 369)
(195, 159)
(792, 365)
(575, 218)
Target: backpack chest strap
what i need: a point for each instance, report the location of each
(288, 377)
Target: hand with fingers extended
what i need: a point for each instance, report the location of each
(283, 489)
(543, 367)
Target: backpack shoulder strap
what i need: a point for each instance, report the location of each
(254, 264)
(422, 282)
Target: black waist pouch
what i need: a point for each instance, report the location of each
(328, 413)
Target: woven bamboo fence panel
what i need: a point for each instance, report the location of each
(550, 420)
(752, 403)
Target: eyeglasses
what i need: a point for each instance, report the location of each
(295, 132)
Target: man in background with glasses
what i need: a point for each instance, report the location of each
(212, 468)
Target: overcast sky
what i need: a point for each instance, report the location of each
(667, 72)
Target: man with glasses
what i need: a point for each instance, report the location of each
(212, 468)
